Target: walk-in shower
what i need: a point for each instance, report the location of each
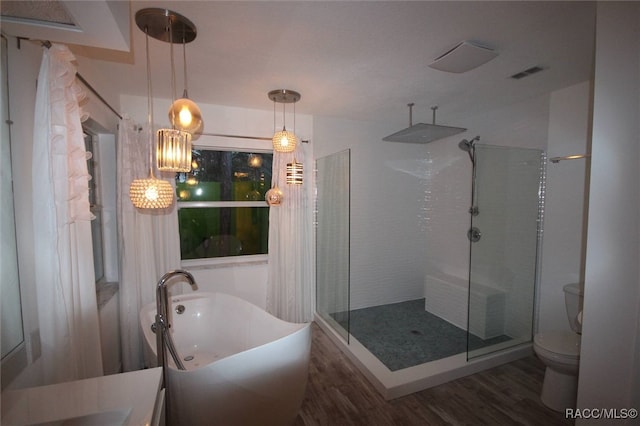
(471, 298)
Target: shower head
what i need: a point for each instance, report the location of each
(468, 145)
(421, 132)
(465, 145)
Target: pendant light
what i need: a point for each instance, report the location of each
(284, 141)
(150, 193)
(173, 146)
(185, 114)
(294, 173)
(274, 196)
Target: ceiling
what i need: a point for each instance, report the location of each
(100, 23)
(364, 60)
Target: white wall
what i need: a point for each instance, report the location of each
(24, 65)
(387, 249)
(409, 202)
(247, 280)
(609, 368)
(565, 216)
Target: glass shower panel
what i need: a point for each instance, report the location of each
(332, 240)
(508, 192)
(12, 335)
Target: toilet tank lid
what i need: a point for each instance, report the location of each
(573, 288)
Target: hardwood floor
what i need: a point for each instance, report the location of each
(339, 395)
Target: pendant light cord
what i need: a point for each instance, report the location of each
(184, 61)
(149, 104)
(173, 67)
(284, 119)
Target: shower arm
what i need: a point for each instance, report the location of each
(410, 114)
(433, 108)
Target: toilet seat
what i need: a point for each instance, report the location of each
(558, 345)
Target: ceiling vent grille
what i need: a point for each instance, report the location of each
(527, 72)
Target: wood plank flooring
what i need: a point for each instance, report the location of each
(339, 395)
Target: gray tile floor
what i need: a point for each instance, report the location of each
(403, 334)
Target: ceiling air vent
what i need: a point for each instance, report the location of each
(527, 72)
(465, 56)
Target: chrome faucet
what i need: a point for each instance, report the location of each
(163, 337)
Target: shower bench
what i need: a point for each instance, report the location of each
(447, 297)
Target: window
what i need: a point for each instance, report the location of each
(96, 208)
(100, 144)
(222, 211)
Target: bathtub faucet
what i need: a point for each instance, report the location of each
(163, 337)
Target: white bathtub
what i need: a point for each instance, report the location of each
(248, 367)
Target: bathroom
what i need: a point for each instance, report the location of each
(558, 122)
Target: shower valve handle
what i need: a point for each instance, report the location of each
(474, 235)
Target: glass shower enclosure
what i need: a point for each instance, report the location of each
(506, 216)
(332, 219)
(496, 301)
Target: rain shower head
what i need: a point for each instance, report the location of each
(421, 132)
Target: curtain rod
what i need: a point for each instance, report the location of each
(47, 44)
(258, 138)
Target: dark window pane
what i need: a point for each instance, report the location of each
(225, 176)
(96, 237)
(223, 231)
(96, 224)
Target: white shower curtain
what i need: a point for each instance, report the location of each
(149, 243)
(290, 294)
(64, 274)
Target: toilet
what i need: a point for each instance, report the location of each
(560, 352)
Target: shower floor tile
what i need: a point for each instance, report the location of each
(403, 335)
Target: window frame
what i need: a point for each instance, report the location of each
(212, 262)
(95, 207)
(104, 160)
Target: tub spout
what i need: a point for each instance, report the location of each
(163, 338)
(166, 277)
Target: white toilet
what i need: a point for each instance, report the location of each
(560, 352)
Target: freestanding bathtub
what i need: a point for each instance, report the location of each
(243, 365)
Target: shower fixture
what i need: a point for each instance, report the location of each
(468, 146)
(556, 160)
(421, 132)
